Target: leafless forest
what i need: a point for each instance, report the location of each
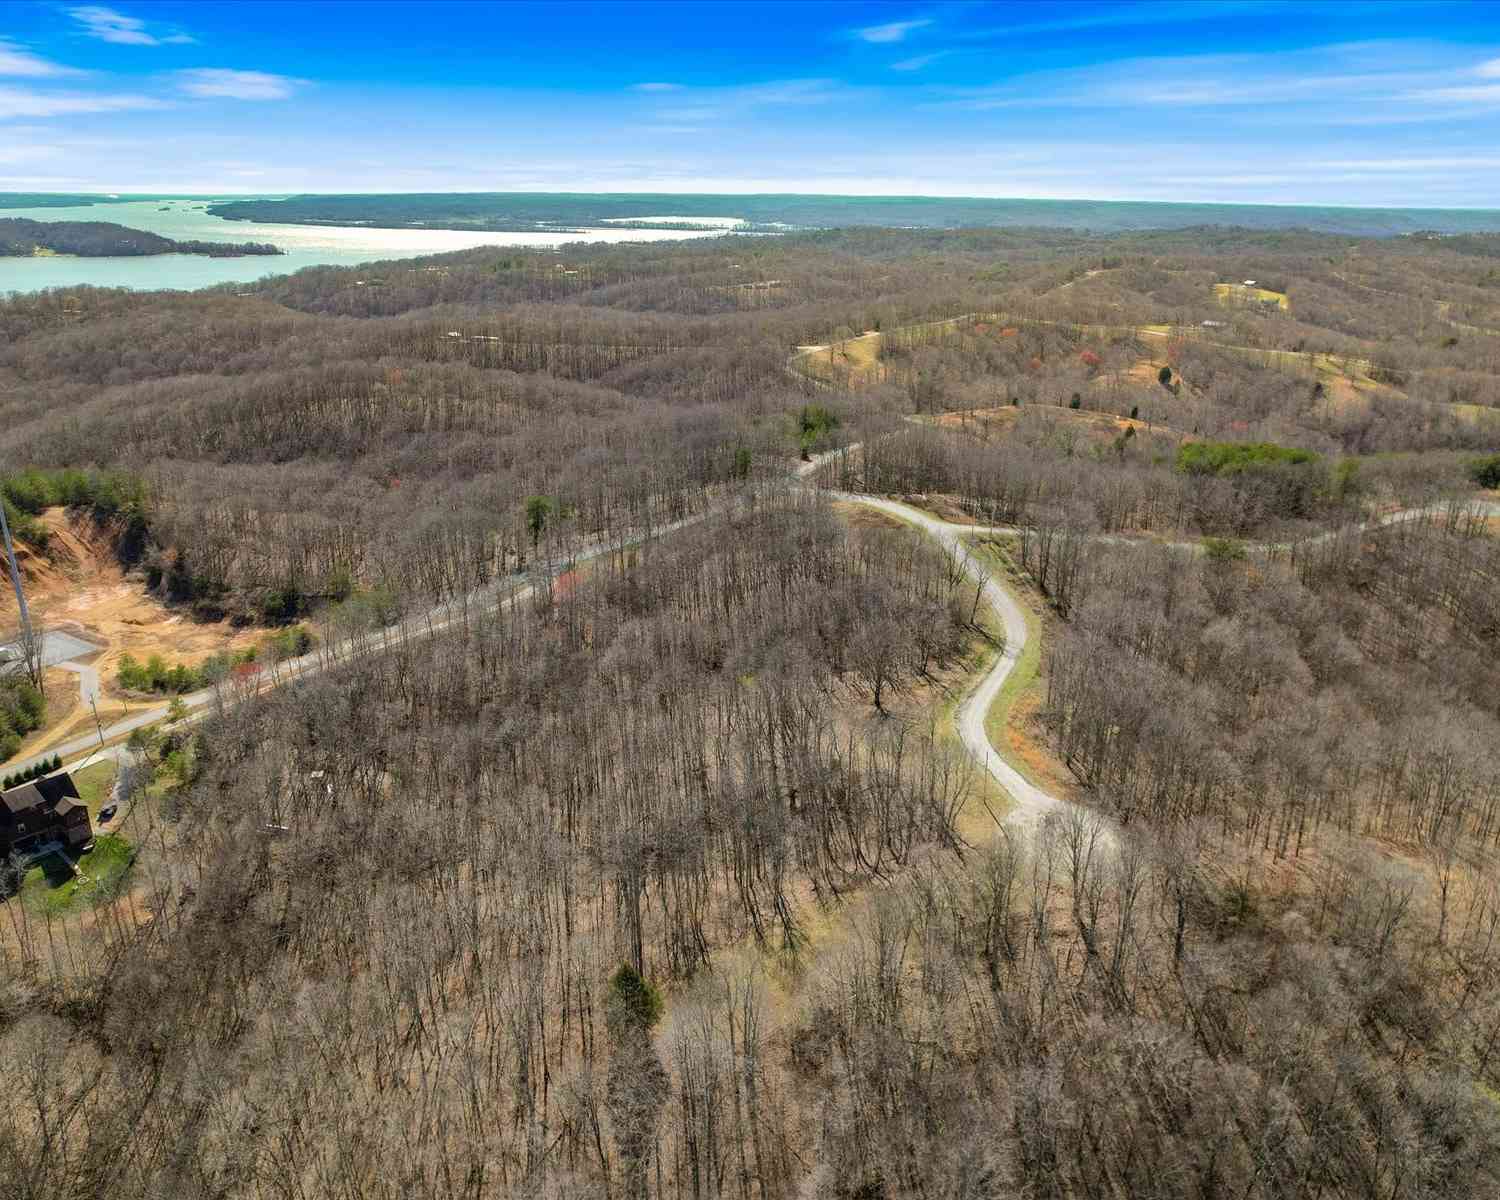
(673, 878)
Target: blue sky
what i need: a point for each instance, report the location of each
(1386, 103)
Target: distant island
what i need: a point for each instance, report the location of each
(22, 238)
(53, 200)
(502, 212)
(564, 212)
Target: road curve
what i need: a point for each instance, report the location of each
(1030, 803)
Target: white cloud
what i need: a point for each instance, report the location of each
(108, 25)
(217, 82)
(1490, 70)
(896, 31)
(16, 61)
(23, 102)
(658, 87)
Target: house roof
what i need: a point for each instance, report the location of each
(47, 790)
(22, 799)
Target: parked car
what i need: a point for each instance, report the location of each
(107, 813)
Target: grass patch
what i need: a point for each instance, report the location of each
(1028, 667)
(856, 359)
(1235, 458)
(52, 888)
(94, 784)
(1479, 414)
(1229, 293)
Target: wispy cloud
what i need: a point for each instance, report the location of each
(895, 31)
(1368, 82)
(1484, 93)
(15, 61)
(109, 25)
(1481, 93)
(1413, 165)
(221, 83)
(920, 61)
(786, 91)
(692, 107)
(657, 87)
(24, 102)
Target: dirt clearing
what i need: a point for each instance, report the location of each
(78, 587)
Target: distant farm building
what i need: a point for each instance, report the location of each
(42, 812)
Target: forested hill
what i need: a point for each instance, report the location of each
(21, 238)
(616, 845)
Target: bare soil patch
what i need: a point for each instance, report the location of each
(861, 516)
(1004, 419)
(79, 587)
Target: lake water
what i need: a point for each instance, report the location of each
(305, 246)
(600, 218)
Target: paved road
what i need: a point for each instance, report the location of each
(511, 591)
(1030, 803)
(88, 680)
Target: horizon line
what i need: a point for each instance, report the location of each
(121, 194)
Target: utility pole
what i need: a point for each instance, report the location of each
(94, 704)
(15, 579)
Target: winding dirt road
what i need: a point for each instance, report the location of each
(1030, 803)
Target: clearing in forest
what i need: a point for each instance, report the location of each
(1477, 414)
(1004, 419)
(1246, 293)
(853, 360)
(79, 587)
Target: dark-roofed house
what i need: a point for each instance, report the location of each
(45, 810)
